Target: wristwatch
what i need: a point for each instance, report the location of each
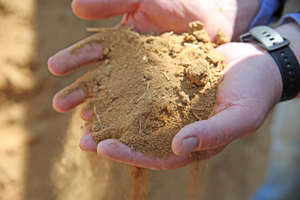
(279, 49)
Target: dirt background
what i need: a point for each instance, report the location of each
(39, 153)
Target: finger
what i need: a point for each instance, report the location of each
(86, 115)
(228, 125)
(101, 9)
(121, 153)
(88, 144)
(78, 55)
(86, 131)
(65, 104)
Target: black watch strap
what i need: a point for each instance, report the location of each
(286, 61)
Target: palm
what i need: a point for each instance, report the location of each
(250, 88)
(173, 15)
(163, 16)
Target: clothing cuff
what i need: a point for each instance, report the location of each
(291, 17)
(270, 10)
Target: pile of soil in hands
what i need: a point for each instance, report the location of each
(150, 86)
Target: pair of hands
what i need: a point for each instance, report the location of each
(251, 85)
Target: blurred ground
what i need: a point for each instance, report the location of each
(39, 153)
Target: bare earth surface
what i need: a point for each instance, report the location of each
(39, 153)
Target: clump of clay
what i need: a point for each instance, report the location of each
(222, 38)
(195, 26)
(197, 72)
(148, 87)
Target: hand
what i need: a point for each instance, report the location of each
(246, 96)
(251, 87)
(232, 16)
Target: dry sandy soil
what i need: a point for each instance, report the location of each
(39, 153)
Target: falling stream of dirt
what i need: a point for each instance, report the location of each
(139, 189)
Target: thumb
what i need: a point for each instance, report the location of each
(228, 125)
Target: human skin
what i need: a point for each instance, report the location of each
(251, 87)
(232, 16)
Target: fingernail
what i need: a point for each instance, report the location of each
(188, 145)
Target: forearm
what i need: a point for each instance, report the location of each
(269, 11)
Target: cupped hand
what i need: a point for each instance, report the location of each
(247, 94)
(232, 16)
(251, 87)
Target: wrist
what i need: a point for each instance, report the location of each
(291, 31)
(286, 56)
(257, 68)
(270, 67)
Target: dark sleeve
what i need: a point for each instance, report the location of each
(291, 17)
(270, 11)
